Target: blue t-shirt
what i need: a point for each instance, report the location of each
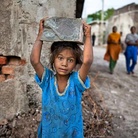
(61, 112)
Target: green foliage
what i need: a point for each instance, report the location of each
(97, 15)
(108, 13)
(93, 16)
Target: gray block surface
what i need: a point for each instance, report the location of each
(63, 29)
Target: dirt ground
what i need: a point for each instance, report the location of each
(119, 93)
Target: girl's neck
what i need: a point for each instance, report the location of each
(62, 82)
(62, 77)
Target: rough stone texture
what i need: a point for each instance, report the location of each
(63, 29)
(12, 98)
(19, 26)
(5, 33)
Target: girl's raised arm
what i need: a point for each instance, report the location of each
(36, 51)
(87, 53)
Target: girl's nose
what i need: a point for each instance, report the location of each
(64, 63)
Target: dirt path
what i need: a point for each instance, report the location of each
(120, 93)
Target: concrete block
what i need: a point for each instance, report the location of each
(63, 29)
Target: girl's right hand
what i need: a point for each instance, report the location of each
(41, 26)
(87, 29)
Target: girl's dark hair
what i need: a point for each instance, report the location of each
(57, 47)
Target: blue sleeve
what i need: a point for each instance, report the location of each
(82, 86)
(45, 78)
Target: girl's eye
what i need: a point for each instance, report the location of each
(60, 58)
(70, 60)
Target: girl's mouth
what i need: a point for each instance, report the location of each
(63, 70)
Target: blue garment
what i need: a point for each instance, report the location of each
(131, 54)
(61, 113)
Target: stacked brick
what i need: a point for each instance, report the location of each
(8, 64)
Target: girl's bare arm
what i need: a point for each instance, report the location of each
(87, 53)
(36, 52)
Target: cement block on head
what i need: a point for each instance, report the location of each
(63, 29)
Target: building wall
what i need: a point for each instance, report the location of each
(95, 29)
(19, 26)
(124, 18)
(126, 8)
(99, 29)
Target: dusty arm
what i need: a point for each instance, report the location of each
(36, 52)
(87, 53)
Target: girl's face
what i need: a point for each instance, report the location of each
(65, 62)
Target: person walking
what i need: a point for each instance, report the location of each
(93, 39)
(131, 41)
(113, 49)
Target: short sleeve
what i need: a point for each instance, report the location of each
(136, 37)
(82, 86)
(127, 38)
(45, 78)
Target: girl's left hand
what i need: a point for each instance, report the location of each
(87, 29)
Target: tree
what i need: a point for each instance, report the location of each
(108, 13)
(97, 15)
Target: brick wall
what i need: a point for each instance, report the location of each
(8, 64)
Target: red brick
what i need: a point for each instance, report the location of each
(10, 77)
(7, 70)
(14, 61)
(2, 77)
(22, 62)
(3, 60)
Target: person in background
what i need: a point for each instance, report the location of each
(93, 39)
(131, 50)
(113, 49)
(62, 87)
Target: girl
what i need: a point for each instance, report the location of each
(62, 87)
